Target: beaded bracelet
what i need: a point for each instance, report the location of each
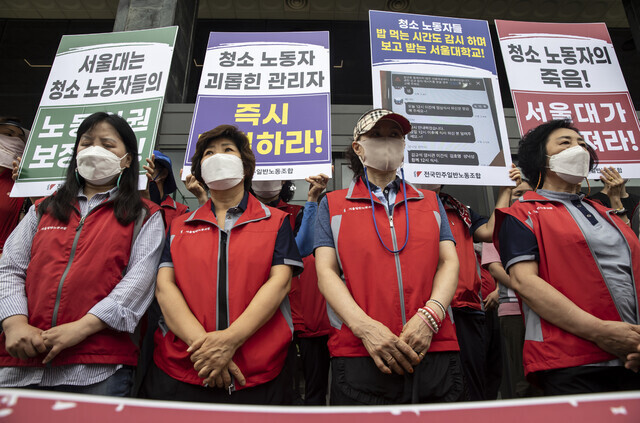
(430, 319)
(424, 319)
(434, 315)
(439, 304)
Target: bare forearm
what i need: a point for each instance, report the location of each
(498, 273)
(445, 280)
(485, 232)
(336, 293)
(90, 324)
(13, 321)
(263, 305)
(551, 305)
(177, 315)
(616, 204)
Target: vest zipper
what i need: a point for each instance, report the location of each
(398, 268)
(54, 319)
(222, 319)
(222, 308)
(223, 282)
(56, 307)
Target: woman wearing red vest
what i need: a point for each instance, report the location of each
(161, 185)
(77, 273)
(575, 265)
(13, 138)
(308, 306)
(387, 265)
(222, 286)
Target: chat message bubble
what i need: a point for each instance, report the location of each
(441, 133)
(437, 109)
(443, 157)
(437, 82)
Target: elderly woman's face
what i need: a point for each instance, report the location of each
(220, 146)
(384, 128)
(562, 139)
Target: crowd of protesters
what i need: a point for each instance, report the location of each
(394, 292)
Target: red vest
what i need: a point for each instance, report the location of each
(311, 319)
(388, 287)
(9, 207)
(195, 239)
(308, 306)
(567, 264)
(93, 271)
(469, 282)
(292, 211)
(172, 209)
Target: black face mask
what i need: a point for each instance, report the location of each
(154, 193)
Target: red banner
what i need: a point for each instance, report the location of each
(35, 406)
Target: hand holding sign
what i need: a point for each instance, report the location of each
(317, 184)
(195, 188)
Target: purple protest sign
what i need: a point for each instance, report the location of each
(275, 88)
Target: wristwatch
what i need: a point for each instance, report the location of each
(620, 211)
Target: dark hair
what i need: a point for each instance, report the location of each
(532, 150)
(127, 204)
(286, 193)
(12, 119)
(241, 141)
(354, 162)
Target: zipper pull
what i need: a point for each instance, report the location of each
(81, 223)
(231, 388)
(391, 221)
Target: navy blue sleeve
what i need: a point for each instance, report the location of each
(477, 220)
(165, 259)
(517, 243)
(445, 229)
(299, 217)
(323, 236)
(305, 233)
(286, 250)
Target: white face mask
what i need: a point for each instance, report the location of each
(266, 189)
(384, 154)
(222, 171)
(10, 149)
(572, 164)
(98, 165)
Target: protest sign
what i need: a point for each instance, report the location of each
(570, 71)
(121, 72)
(275, 88)
(440, 73)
